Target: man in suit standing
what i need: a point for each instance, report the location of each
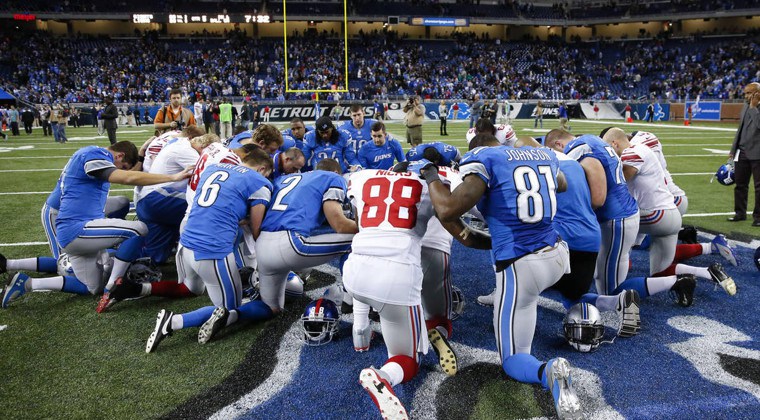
(746, 154)
(109, 115)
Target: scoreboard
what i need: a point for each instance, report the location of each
(199, 18)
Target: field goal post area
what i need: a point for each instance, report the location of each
(345, 54)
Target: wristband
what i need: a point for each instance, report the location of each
(430, 174)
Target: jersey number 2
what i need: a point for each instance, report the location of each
(401, 213)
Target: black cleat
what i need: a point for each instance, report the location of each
(688, 234)
(3, 264)
(683, 290)
(720, 277)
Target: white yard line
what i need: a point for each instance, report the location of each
(36, 157)
(31, 170)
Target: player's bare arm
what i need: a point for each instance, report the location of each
(337, 220)
(466, 236)
(123, 177)
(450, 205)
(561, 182)
(597, 181)
(255, 218)
(629, 172)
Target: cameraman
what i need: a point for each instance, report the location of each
(415, 115)
(173, 116)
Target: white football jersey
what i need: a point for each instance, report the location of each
(437, 237)
(648, 187)
(393, 210)
(504, 133)
(214, 153)
(651, 141)
(177, 155)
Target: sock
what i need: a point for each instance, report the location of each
(178, 322)
(707, 249)
(25, 264)
(670, 271)
(394, 373)
(638, 284)
(361, 315)
(524, 368)
(697, 271)
(255, 310)
(441, 323)
(50, 283)
(197, 317)
(589, 298)
(47, 265)
(167, 288)
(660, 284)
(686, 251)
(128, 251)
(232, 318)
(606, 303)
(407, 364)
(73, 285)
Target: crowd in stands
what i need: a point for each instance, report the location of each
(560, 10)
(81, 70)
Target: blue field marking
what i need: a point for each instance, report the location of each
(640, 377)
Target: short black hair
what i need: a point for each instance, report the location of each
(432, 155)
(128, 148)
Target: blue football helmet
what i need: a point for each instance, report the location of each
(319, 322)
(583, 327)
(725, 174)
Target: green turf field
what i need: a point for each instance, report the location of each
(62, 360)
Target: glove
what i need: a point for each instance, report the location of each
(428, 171)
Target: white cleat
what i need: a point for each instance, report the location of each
(382, 395)
(487, 300)
(561, 385)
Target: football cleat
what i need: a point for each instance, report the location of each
(16, 288)
(362, 338)
(382, 395)
(720, 277)
(3, 264)
(720, 246)
(628, 313)
(446, 356)
(683, 290)
(104, 302)
(688, 234)
(487, 300)
(163, 329)
(214, 324)
(121, 290)
(561, 386)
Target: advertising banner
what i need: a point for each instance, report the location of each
(705, 111)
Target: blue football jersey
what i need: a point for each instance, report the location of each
(358, 137)
(298, 198)
(575, 220)
(520, 201)
(381, 157)
(83, 197)
(315, 150)
(448, 152)
(235, 142)
(224, 196)
(619, 203)
(54, 199)
(288, 142)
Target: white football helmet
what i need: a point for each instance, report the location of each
(457, 303)
(583, 327)
(64, 265)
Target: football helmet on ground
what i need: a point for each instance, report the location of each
(319, 322)
(583, 327)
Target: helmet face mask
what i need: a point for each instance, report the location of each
(320, 322)
(583, 327)
(457, 303)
